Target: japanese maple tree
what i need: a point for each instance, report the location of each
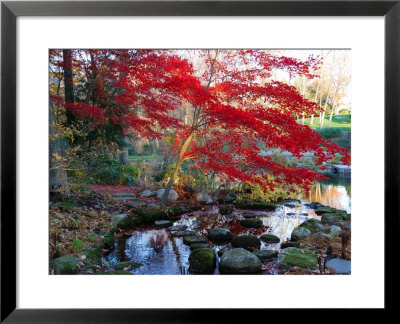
(235, 107)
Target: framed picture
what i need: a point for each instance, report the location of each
(158, 139)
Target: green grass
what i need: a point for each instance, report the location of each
(138, 158)
(339, 121)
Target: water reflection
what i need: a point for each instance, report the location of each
(336, 196)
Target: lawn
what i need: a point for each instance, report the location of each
(339, 121)
(139, 158)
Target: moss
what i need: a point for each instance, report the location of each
(290, 244)
(312, 224)
(124, 264)
(108, 240)
(291, 257)
(246, 241)
(202, 261)
(65, 265)
(269, 238)
(311, 229)
(94, 255)
(89, 266)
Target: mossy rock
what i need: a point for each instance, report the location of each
(246, 241)
(324, 210)
(291, 257)
(300, 233)
(220, 235)
(251, 222)
(125, 264)
(116, 272)
(175, 211)
(312, 224)
(269, 238)
(93, 255)
(149, 215)
(108, 240)
(224, 210)
(190, 239)
(202, 261)
(285, 245)
(130, 222)
(66, 265)
(266, 254)
(254, 205)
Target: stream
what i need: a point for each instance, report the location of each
(171, 256)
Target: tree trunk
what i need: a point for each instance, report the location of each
(68, 83)
(179, 161)
(58, 184)
(330, 116)
(123, 157)
(312, 120)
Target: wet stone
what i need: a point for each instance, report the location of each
(190, 239)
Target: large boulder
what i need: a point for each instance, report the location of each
(65, 265)
(291, 257)
(204, 198)
(324, 210)
(312, 224)
(300, 233)
(251, 222)
(220, 235)
(246, 241)
(190, 239)
(265, 254)
(332, 230)
(172, 196)
(202, 261)
(238, 261)
(269, 238)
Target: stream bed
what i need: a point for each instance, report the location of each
(161, 253)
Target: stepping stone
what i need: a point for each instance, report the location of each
(177, 228)
(163, 223)
(190, 239)
(269, 238)
(340, 266)
(266, 254)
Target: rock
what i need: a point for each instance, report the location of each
(172, 196)
(230, 197)
(313, 205)
(126, 264)
(108, 240)
(199, 246)
(177, 228)
(96, 206)
(154, 205)
(115, 219)
(221, 252)
(299, 233)
(246, 241)
(224, 210)
(340, 266)
(163, 223)
(183, 233)
(266, 254)
(269, 238)
(312, 224)
(324, 210)
(249, 215)
(253, 205)
(204, 197)
(332, 230)
(220, 235)
(65, 265)
(291, 257)
(148, 193)
(285, 245)
(291, 214)
(202, 261)
(190, 239)
(251, 222)
(239, 261)
(290, 205)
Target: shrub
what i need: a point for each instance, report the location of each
(328, 133)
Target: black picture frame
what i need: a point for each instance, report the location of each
(10, 10)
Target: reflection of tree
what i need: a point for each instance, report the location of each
(330, 195)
